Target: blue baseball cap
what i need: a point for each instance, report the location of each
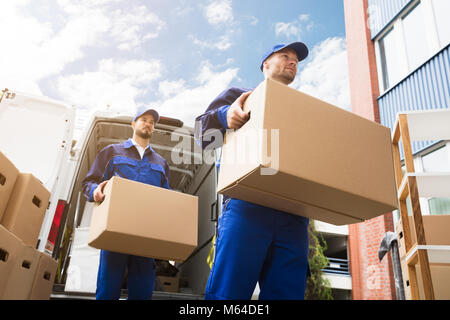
(143, 111)
(299, 47)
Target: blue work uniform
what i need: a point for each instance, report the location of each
(254, 243)
(124, 160)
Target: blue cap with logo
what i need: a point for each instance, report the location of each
(142, 111)
(299, 47)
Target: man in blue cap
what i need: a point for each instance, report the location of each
(133, 159)
(256, 243)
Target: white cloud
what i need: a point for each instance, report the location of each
(116, 83)
(294, 28)
(326, 75)
(128, 26)
(36, 50)
(253, 20)
(183, 9)
(169, 88)
(41, 47)
(190, 102)
(219, 11)
(222, 44)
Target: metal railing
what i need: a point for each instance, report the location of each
(337, 266)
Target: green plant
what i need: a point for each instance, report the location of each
(317, 287)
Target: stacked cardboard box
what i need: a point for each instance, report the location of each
(45, 277)
(436, 233)
(10, 249)
(8, 176)
(23, 203)
(169, 284)
(26, 208)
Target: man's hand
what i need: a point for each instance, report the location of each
(99, 196)
(236, 117)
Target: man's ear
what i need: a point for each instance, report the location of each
(133, 124)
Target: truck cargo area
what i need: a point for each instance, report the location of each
(78, 263)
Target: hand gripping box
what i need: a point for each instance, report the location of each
(8, 176)
(26, 208)
(304, 156)
(144, 220)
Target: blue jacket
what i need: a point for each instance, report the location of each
(215, 116)
(123, 160)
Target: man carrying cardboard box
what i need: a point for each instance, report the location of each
(256, 243)
(133, 159)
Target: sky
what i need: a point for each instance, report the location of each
(172, 55)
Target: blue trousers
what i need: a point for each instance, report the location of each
(259, 244)
(141, 276)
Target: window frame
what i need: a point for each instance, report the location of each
(396, 26)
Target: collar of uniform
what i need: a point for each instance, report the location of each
(129, 143)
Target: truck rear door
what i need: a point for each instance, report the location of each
(36, 135)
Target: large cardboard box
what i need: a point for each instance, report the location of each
(440, 275)
(304, 156)
(144, 220)
(436, 229)
(21, 275)
(10, 249)
(8, 176)
(44, 278)
(26, 208)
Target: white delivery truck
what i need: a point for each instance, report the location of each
(36, 134)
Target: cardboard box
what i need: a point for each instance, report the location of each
(26, 208)
(169, 284)
(21, 275)
(8, 176)
(144, 220)
(436, 229)
(304, 156)
(10, 249)
(44, 278)
(440, 275)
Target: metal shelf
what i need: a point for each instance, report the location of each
(429, 124)
(435, 184)
(437, 254)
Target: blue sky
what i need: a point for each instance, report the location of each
(173, 55)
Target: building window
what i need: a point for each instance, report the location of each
(389, 60)
(441, 10)
(411, 39)
(437, 161)
(414, 32)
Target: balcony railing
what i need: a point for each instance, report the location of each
(337, 266)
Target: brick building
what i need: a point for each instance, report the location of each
(398, 54)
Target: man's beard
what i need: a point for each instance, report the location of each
(288, 77)
(143, 134)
